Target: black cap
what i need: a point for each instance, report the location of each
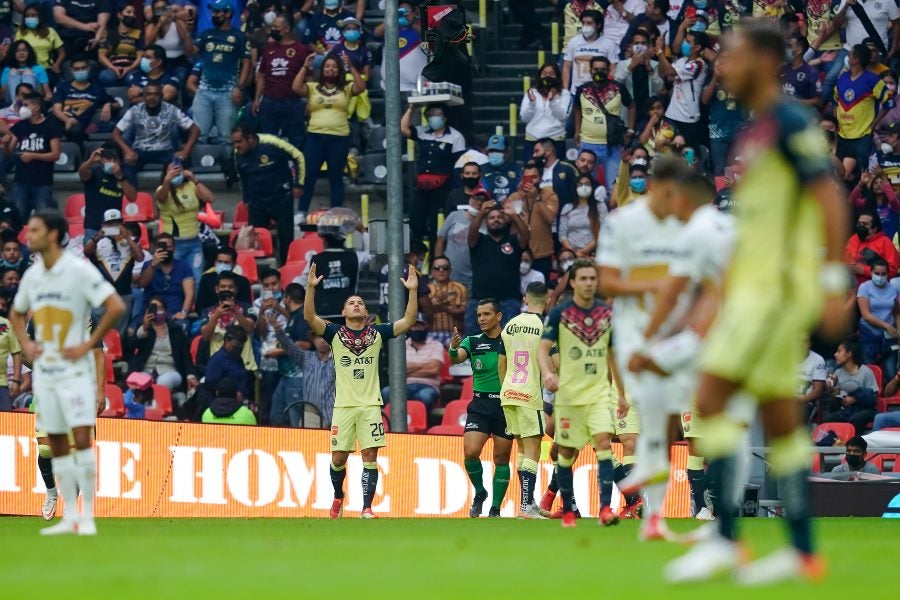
(893, 128)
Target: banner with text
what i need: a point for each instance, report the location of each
(162, 469)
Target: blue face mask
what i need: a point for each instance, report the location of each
(178, 180)
(108, 168)
(638, 185)
(10, 265)
(222, 267)
(32, 22)
(701, 4)
(403, 22)
(436, 122)
(332, 4)
(879, 280)
(146, 67)
(685, 48)
(352, 35)
(698, 27)
(495, 158)
(81, 75)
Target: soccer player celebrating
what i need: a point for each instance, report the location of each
(688, 294)
(636, 245)
(357, 396)
(521, 394)
(485, 416)
(60, 291)
(777, 287)
(581, 328)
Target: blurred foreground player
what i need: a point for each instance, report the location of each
(776, 289)
(60, 291)
(357, 400)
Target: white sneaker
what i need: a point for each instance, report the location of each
(64, 527)
(782, 565)
(705, 515)
(48, 511)
(532, 512)
(87, 527)
(705, 532)
(703, 562)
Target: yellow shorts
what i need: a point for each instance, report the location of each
(523, 422)
(576, 426)
(758, 344)
(691, 426)
(353, 424)
(629, 425)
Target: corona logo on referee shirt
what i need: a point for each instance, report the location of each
(170, 470)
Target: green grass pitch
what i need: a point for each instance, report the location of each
(405, 558)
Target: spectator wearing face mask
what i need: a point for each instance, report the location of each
(527, 275)
(170, 28)
(47, 45)
(229, 360)
(179, 198)
(879, 308)
(114, 252)
(452, 240)
(562, 290)
(120, 52)
(868, 243)
(228, 313)
(151, 70)
(75, 103)
(266, 309)
(501, 174)
(171, 279)
(688, 74)
(855, 459)
(160, 347)
(412, 57)
(725, 119)
(545, 110)
(104, 186)
(854, 388)
(471, 179)
(35, 142)
(875, 193)
(323, 28)
(571, 17)
(583, 48)
(636, 186)
(639, 74)
(225, 260)
(579, 222)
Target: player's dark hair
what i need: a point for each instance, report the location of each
(352, 296)
(295, 292)
(671, 168)
(854, 349)
(537, 290)
(863, 55)
(495, 304)
(699, 188)
(267, 272)
(581, 263)
(879, 262)
(765, 38)
(54, 221)
(858, 441)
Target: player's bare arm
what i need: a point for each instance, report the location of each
(669, 291)
(501, 366)
(114, 308)
(100, 370)
(622, 403)
(315, 322)
(611, 284)
(411, 283)
(835, 281)
(30, 348)
(548, 371)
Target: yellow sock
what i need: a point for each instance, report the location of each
(721, 436)
(695, 463)
(790, 453)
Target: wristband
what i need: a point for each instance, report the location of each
(453, 351)
(834, 277)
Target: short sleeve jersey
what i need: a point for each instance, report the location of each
(356, 362)
(583, 337)
(61, 299)
(522, 383)
(483, 352)
(858, 102)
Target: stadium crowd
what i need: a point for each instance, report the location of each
(284, 88)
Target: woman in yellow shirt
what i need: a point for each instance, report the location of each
(179, 198)
(328, 132)
(45, 41)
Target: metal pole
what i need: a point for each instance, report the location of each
(397, 294)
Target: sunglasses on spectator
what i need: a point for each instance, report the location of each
(441, 267)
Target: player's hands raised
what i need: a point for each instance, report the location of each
(455, 340)
(551, 382)
(412, 279)
(312, 279)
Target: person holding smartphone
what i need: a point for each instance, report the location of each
(114, 251)
(104, 186)
(169, 278)
(226, 313)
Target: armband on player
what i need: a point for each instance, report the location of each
(454, 352)
(834, 279)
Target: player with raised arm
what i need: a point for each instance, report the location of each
(60, 292)
(357, 396)
(635, 248)
(689, 295)
(521, 394)
(485, 418)
(581, 328)
(785, 275)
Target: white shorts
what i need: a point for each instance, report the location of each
(65, 401)
(671, 394)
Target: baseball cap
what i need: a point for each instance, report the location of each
(893, 128)
(220, 5)
(113, 214)
(638, 164)
(139, 381)
(350, 21)
(496, 142)
(482, 191)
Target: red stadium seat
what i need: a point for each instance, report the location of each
(896, 468)
(879, 377)
(892, 400)
(290, 271)
(23, 236)
(195, 349)
(844, 431)
(75, 208)
(877, 460)
(720, 183)
(468, 389)
(110, 371)
(142, 209)
(76, 229)
(163, 398)
(153, 414)
(241, 215)
(300, 246)
(112, 341)
(446, 430)
(817, 463)
(116, 405)
(247, 262)
(455, 413)
(266, 247)
(446, 377)
(416, 416)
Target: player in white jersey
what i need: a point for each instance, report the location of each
(60, 292)
(689, 298)
(636, 244)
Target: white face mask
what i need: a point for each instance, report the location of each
(567, 264)
(524, 267)
(24, 113)
(886, 148)
(588, 30)
(269, 17)
(583, 191)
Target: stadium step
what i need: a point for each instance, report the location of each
(512, 57)
(516, 70)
